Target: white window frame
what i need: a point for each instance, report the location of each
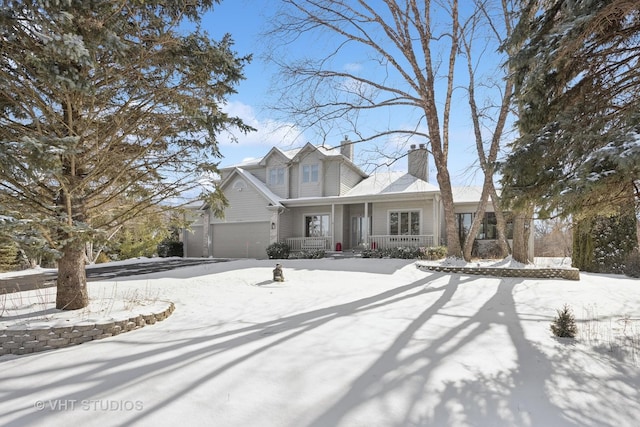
(406, 211)
(308, 173)
(279, 174)
(321, 214)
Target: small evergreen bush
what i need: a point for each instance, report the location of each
(278, 251)
(564, 325)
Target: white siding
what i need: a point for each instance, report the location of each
(193, 243)
(331, 178)
(259, 172)
(244, 205)
(241, 240)
(286, 225)
(294, 181)
(348, 178)
(278, 161)
(311, 189)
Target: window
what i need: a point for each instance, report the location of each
(404, 223)
(276, 176)
(464, 225)
(488, 228)
(316, 226)
(310, 173)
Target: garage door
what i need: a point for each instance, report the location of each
(246, 240)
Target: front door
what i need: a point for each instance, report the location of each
(358, 227)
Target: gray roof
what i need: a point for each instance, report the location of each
(391, 183)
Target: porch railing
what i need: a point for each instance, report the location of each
(308, 243)
(391, 241)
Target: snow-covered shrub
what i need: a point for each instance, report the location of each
(564, 324)
(372, 253)
(278, 251)
(433, 253)
(308, 254)
(402, 252)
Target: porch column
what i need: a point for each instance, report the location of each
(365, 232)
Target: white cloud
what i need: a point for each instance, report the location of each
(269, 132)
(352, 67)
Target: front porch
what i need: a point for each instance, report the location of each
(358, 226)
(297, 244)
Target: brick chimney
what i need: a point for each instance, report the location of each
(346, 148)
(418, 162)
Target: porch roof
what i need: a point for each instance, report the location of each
(382, 186)
(469, 194)
(391, 183)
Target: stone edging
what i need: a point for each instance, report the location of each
(534, 273)
(25, 339)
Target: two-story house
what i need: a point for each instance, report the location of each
(315, 197)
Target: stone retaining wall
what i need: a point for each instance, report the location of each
(24, 339)
(534, 273)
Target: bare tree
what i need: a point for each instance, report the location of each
(405, 55)
(500, 29)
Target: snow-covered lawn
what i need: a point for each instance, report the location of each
(354, 342)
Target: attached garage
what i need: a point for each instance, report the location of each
(193, 242)
(240, 240)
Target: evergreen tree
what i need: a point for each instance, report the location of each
(107, 108)
(578, 93)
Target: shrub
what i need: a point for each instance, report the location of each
(405, 252)
(564, 325)
(309, 254)
(170, 248)
(433, 253)
(372, 253)
(278, 251)
(102, 258)
(632, 264)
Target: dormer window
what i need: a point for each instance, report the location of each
(310, 173)
(276, 176)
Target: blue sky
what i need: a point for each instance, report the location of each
(244, 20)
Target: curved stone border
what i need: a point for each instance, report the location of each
(21, 339)
(534, 273)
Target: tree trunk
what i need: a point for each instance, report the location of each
(72, 279)
(501, 225)
(521, 232)
(454, 249)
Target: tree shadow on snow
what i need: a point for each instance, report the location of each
(521, 394)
